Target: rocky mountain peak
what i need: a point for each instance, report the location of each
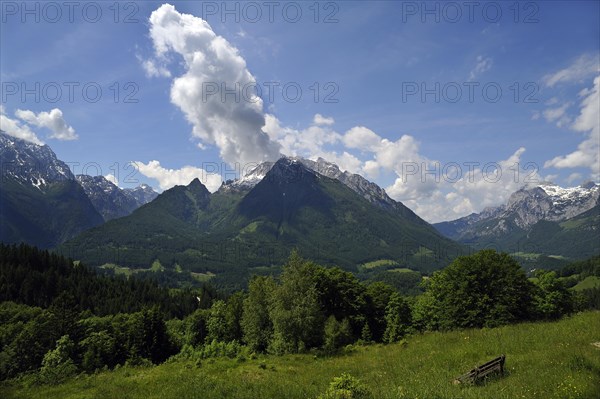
(526, 207)
(108, 199)
(368, 190)
(142, 194)
(31, 164)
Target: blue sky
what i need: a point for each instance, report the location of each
(373, 60)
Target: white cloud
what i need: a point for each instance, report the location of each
(482, 65)
(310, 142)
(371, 169)
(168, 178)
(234, 125)
(574, 177)
(453, 195)
(558, 115)
(582, 68)
(17, 129)
(111, 178)
(321, 120)
(154, 69)
(588, 152)
(52, 120)
(244, 133)
(362, 138)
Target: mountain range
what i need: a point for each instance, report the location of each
(545, 221)
(44, 204)
(110, 200)
(251, 225)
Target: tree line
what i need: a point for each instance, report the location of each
(64, 329)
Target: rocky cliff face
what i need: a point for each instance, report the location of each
(31, 164)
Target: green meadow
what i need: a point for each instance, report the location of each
(543, 360)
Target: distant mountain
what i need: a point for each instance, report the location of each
(252, 224)
(41, 203)
(545, 220)
(142, 194)
(111, 201)
(108, 199)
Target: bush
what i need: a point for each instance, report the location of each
(221, 349)
(98, 349)
(58, 364)
(337, 334)
(485, 289)
(346, 387)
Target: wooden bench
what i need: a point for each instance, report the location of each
(480, 372)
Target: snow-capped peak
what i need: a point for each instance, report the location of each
(31, 164)
(560, 194)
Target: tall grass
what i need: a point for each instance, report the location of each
(543, 360)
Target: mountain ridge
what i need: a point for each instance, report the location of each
(41, 203)
(532, 218)
(234, 231)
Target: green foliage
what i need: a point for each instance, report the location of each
(233, 316)
(426, 313)
(256, 322)
(39, 278)
(98, 351)
(484, 289)
(29, 341)
(341, 295)
(407, 282)
(583, 269)
(58, 363)
(47, 217)
(322, 217)
(220, 349)
(551, 298)
(549, 360)
(196, 327)
(377, 297)
(346, 387)
(337, 334)
(217, 322)
(309, 308)
(398, 318)
(365, 335)
(296, 312)
(147, 336)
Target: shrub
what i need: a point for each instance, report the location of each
(58, 364)
(346, 387)
(485, 289)
(221, 349)
(337, 334)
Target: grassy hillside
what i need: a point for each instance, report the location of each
(588, 282)
(543, 360)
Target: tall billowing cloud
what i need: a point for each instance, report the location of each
(235, 122)
(232, 122)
